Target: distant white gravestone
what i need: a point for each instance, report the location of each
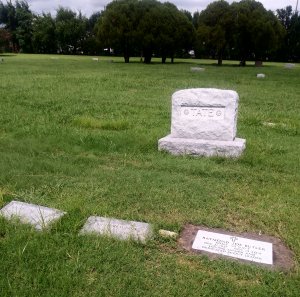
(204, 124)
(260, 75)
(197, 69)
(289, 65)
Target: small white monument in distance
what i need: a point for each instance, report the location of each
(204, 124)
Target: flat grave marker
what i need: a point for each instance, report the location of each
(289, 65)
(234, 246)
(260, 75)
(256, 249)
(197, 69)
(120, 229)
(38, 216)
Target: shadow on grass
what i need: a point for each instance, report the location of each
(192, 62)
(7, 55)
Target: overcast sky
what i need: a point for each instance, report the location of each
(87, 7)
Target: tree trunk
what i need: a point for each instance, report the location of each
(147, 56)
(172, 59)
(220, 60)
(126, 58)
(220, 57)
(147, 59)
(163, 59)
(258, 63)
(243, 63)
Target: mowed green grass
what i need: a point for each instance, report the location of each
(81, 136)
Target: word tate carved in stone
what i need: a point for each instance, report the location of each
(202, 113)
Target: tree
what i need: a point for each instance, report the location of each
(5, 40)
(90, 44)
(214, 28)
(8, 19)
(70, 30)
(257, 31)
(294, 35)
(202, 41)
(195, 19)
(165, 30)
(44, 34)
(17, 19)
(145, 27)
(117, 26)
(290, 48)
(284, 15)
(24, 28)
(180, 31)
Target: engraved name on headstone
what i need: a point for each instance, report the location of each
(233, 246)
(203, 113)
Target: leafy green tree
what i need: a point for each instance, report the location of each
(145, 27)
(70, 30)
(118, 26)
(44, 34)
(195, 19)
(290, 48)
(24, 28)
(187, 14)
(294, 35)
(257, 31)
(9, 21)
(284, 15)
(17, 19)
(91, 44)
(214, 28)
(202, 41)
(5, 40)
(165, 30)
(179, 31)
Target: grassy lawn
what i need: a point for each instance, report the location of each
(81, 136)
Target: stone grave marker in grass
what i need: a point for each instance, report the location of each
(289, 65)
(40, 217)
(197, 69)
(260, 75)
(234, 246)
(259, 249)
(119, 229)
(204, 124)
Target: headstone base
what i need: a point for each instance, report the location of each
(200, 147)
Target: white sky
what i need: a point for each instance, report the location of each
(87, 7)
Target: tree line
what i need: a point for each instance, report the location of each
(242, 31)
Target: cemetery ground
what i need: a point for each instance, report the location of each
(81, 136)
